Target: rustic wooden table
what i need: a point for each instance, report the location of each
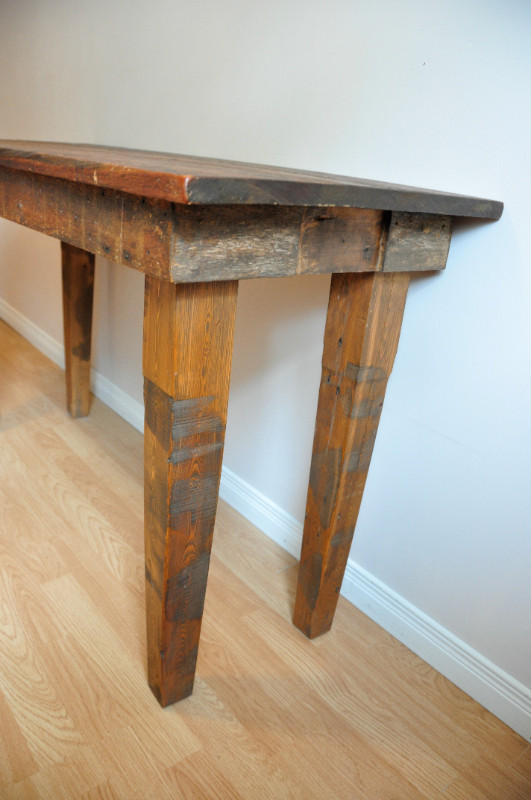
(196, 226)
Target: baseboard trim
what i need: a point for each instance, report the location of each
(493, 688)
(480, 678)
(104, 389)
(120, 402)
(276, 523)
(47, 345)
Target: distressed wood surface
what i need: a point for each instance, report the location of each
(207, 181)
(195, 244)
(188, 332)
(262, 241)
(417, 242)
(78, 293)
(361, 337)
(134, 231)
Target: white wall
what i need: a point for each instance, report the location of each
(430, 94)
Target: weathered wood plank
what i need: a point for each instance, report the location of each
(208, 181)
(222, 243)
(188, 332)
(361, 337)
(341, 240)
(78, 293)
(417, 242)
(131, 230)
(194, 244)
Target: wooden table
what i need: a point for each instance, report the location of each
(195, 227)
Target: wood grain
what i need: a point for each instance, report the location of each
(207, 181)
(210, 243)
(361, 337)
(390, 725)
(195, 244)
(417, 242)
(188, 334)
(134, 231)
(78, 294)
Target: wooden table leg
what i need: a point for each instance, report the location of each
(188, 333)
(78, 291)
(362, 330)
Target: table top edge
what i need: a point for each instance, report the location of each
(206, 181)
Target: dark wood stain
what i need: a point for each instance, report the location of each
(157, 414)
(193, 416)
(341, 240)
(367, 373)
(213, 243)
(182, 453)
(185, 591)
(310, 571)
(360, 457)
(194, 500)
(206, 181)
(235, 242)
(342, 538)
(77, 268)
(112, 224)
(187, 349)
(151, 580)
(324, 481)
(83, 315)
(365, 407)
(417, 241)
(360, 343)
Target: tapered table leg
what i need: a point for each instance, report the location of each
(188, 333)
(362, 330)
(78, 291)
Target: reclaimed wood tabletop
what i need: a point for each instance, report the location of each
(209, 181)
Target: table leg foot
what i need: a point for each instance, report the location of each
(361, 337)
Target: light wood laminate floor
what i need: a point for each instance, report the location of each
(353, 714)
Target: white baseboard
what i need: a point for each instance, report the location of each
(102, 387)
(120, 402)
(261, 511)
(493, 688)
(51, 348)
